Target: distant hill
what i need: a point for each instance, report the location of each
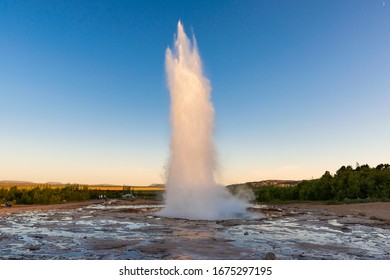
(264, 183)
(157, 185)
(24, 183)
(19, 183)
(256, 184)
(15, 182)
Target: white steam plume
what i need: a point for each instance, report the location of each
(191, 189)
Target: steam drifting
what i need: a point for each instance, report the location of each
(191, 189)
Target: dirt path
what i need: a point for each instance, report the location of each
(70, 205)
(375, 210)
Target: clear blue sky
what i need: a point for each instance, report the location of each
(299, 87)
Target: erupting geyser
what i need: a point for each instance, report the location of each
(191, 189)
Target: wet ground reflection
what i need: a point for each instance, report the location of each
(108, 231)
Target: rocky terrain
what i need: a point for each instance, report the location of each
(134, 230)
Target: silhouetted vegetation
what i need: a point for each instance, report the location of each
(363, 183)
(48, 195)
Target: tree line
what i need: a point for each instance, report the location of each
(48, 195)
(363, 183)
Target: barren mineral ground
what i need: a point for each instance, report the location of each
(120, 229)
